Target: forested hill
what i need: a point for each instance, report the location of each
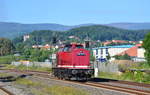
(12, 30)
(95, 32)
(131, 26)
(102, 33)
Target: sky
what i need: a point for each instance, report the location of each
(74, 12)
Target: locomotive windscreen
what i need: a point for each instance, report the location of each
(79, 46)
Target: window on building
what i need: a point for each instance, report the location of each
(96, 57)
(106, 50)
(96, 51)
(101, 51)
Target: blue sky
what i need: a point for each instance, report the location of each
(73, 12)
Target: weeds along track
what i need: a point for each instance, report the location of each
(130, 90)
(113, 81)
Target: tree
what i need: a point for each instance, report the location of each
(36, 54)
(108, 56)
(146, 45)
(6, 46)
(123, 57)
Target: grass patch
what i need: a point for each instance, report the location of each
(27, 82)
(6, 59)
(23, 67)
(35, 68)
(137, 76)
(110, 75)
(60, 90)
(38, 88)
(8, 66)
(4, 75)
(142, 65)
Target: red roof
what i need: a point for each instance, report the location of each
(131, 51)
(106, 43)
(119, 41)
(138, 45)
(114, 41)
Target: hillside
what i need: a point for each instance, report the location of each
(102, 33)
(131, 26)
(12, 30)
(95, 32)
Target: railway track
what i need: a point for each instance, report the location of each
(3, 91)
(119, 88)
(103, 80)
(127, 90)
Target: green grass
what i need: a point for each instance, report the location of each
(110, 75)
(4, 75)
(6, 59)
(8, 66)
(136, 65)
(23, 67)
(136, 76)
(27, 82)
(60, 90)
(38, 88)
(35, 68)
(142, 65)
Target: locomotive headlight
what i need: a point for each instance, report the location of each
(74, 72)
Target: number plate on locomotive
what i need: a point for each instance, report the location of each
(80, 54)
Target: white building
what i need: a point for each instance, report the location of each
(101, 53)
(25, 37)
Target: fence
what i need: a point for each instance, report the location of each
(39, 64)
(107, 67)
(102, 67)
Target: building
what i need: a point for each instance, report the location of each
(136, 52)
(114, 41)
(45, 47)
(25, 37)
(101, 53)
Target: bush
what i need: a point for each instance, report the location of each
(6, 59)
(124, 67)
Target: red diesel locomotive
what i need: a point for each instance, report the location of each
(73, 62)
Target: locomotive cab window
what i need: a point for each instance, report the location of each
(67, 48)
(60, 49)
(79, 46)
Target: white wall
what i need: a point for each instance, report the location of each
(111, 51)
(140, 52)
(115, 51)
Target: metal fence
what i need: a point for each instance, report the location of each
(39, 64)
(102, 67)
(107, 67)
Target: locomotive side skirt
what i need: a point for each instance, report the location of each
(78, 74)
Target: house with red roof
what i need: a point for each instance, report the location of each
(136, 52)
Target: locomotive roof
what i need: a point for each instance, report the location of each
(72, 44)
